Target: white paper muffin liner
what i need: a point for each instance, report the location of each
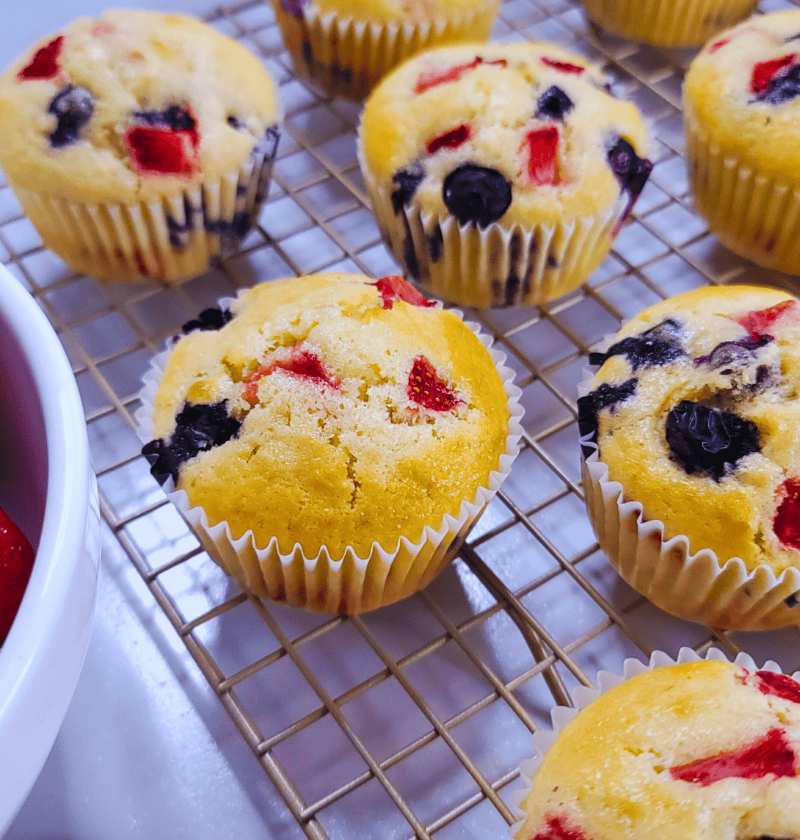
(167, 239)
(347, 57)
(754, 214)
(582, 696)
(668, 23)
(353, 584)
(694, 586)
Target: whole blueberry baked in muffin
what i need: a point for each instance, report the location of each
(707, 750)
(691, 430)
(741, 104)
(347, 46)
(500, 174)
(334, 436)
(139, 143)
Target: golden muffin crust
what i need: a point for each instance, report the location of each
(79, 111)
(698, 751)
(352, 411)
(398, 10)
(695, 412)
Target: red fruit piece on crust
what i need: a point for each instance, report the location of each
(771, 756)
(765, 71)
(44, 64)
(542, 146)
(433, 78)
(161, 151)
(563, 66)
(557, 830)
(16, 562)
(393, 287)
(775, 684)
(786, 522)
(298, 361)
(451, 139)
(760, 322)
(428, 389)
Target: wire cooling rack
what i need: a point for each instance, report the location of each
(410, 721)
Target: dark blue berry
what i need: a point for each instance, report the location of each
(476, 194)
(268, 146)
(707, 440)
(199, 427)
(590, 406)
(657, 346)
(212, 318)
(792, 600)
(733, 353)
(632, 173)
(176, 117)
(73, 107)
(407, 181)
(553, 104)
(782, 87)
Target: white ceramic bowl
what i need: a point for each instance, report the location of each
(48, 488)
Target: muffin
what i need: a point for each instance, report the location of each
(139, 144)
(330, 438)
(702, 749)
(347, 47)
(667, 23)
(500, 174)
(691, 432)
(741, 101)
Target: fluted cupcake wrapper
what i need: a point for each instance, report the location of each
(168, 239)
(667, 23)
(352, 584)
(348, 57)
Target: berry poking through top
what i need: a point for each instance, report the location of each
(73, 107)
(765, 71)
(428, 389)
(557, 829)
(433, 78)
(733, 353)
(44, 64)
(563, 66)
(393, 288)
(553, 104)
(656, 346)
(407, 182)
(632, 173)
(297, 360)
(763, 322)
(786, 523)
(166, 144)
(606, 396)
(476, 194)
(777, 685)
(542, 144)
(16, 562)
(783, 87)
(212, 318)
(451, 139)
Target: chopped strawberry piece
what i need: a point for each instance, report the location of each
(162, 151)
(718, 45)
(778, 685)
(44, 64)
(765, 71)
(16, 562)
(771, 756)
(759, 322)
(298, 361)
(428, 389)
(563, 66)
(557, 830)
(451, 139)
(542, 154)
(433, 78)
(393, 287)
(786, 523)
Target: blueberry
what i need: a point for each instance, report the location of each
(476, 194)
(632, 173)
(782, 87)
(234, 229)
(73, 107)
(708, 440)
(553, 104)
(407, 181)
(736, 353)
(199, 427)
(176, 117)
(603, 397)
(212, 318)
(656, 346)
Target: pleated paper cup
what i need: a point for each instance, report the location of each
(667, 23)
(170, 239)
(348, 57)
(349, 584)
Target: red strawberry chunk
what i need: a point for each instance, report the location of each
(760, 322)
(786, 523)
(298, 361)
(770, 756)
(542, 146)
(428, 389)
(16, 562)
(563, 66)
(451, 139)
(44, 64)
(433, 78)
(765, 71)
(161, 151)
(778, 685)
(557, 830)
(718, 45)
(393, 287)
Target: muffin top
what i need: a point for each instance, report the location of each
(132, 105)
(705, 750)
(509, 133)
(695, 412)
(743, 90)
(330, 410)
(384, 11)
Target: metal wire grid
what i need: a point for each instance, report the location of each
(411, 721)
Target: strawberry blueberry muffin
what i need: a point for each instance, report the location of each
(707, 750)
(139, 144)
(347, 46)
(331, 438)
(741, 105)
(500, 174)
(691, 431)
